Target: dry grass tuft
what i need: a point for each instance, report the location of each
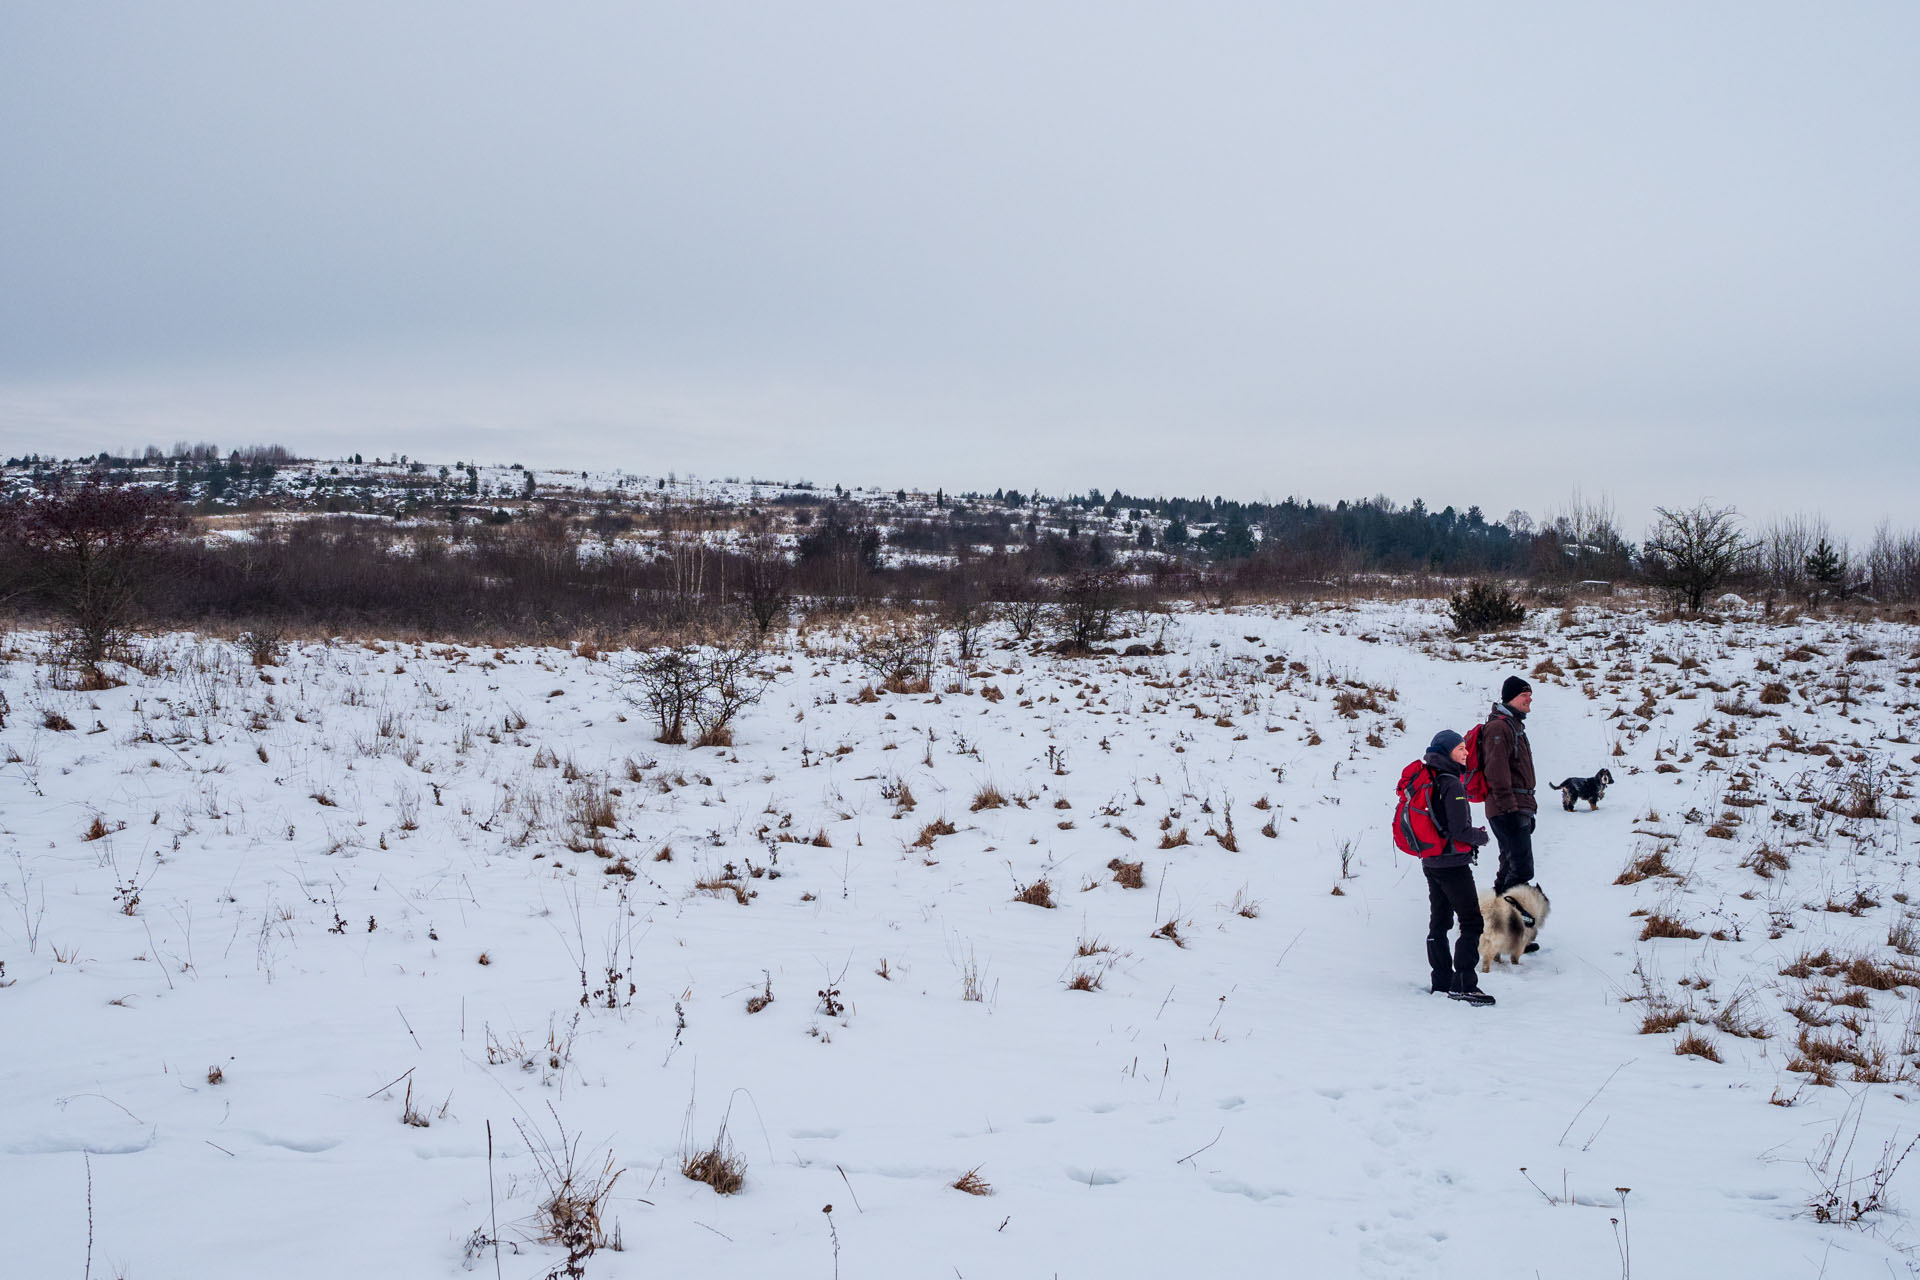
(1825, 1051)
(719, 1166)
(1349, 703)
(1174, 839)
(721, 886)
(1646, 867)
(1765, 860)
(1807, 963)
(1698, 1046)
(1171, 932)
(1128, 875)
(933, 831)
(972, 1183)
(1085, 980)
(1663, 1016)
(1661, 925)
(987, 797)
(1037, 894)
(1876, 975)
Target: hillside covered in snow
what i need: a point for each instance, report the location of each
(1095, 966)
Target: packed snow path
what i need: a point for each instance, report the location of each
(374, 882)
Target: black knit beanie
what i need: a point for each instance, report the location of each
(1513, 688)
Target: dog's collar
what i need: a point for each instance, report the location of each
(1525, 914)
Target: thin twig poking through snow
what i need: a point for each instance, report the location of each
(1589, 1102)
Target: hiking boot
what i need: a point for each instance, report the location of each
(1472, 995)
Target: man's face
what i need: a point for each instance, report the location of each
(1522, 701)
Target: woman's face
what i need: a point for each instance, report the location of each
(1459, 755)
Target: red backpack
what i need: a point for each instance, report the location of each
(1475, 776)
(1414, 830)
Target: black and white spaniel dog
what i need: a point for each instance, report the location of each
(1588, 789)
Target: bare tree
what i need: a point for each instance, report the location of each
(1893, 565)
(1691, 551)
(1021, 601)
(88, 545)
(766, 579)
(1590, 544)
(1084, 614)
(1786, 545)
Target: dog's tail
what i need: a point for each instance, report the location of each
(1558, 786)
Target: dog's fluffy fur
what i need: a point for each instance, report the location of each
(1588, 789)
(1505, 931)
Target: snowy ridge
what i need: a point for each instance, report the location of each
(292, 874)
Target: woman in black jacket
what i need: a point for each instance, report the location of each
(1450, 889)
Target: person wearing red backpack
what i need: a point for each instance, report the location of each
(1506, 760)
(1455, 846)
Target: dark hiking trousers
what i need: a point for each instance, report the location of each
(1450, 894)
(1514, 831)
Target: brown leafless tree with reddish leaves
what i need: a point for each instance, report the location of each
(86, 547)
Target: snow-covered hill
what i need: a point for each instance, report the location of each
(288, 948)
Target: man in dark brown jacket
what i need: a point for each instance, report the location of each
(1507, 760)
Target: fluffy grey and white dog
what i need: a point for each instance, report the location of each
(1512, 920)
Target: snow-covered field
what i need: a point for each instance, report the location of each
(364, 885)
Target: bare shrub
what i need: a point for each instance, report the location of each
(1845, 1196)
(901, 653)
(263, 644)
(576, 1195)
(706, 686)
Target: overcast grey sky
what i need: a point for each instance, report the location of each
(1469, 252)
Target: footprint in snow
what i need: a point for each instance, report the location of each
(1232, 1186)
